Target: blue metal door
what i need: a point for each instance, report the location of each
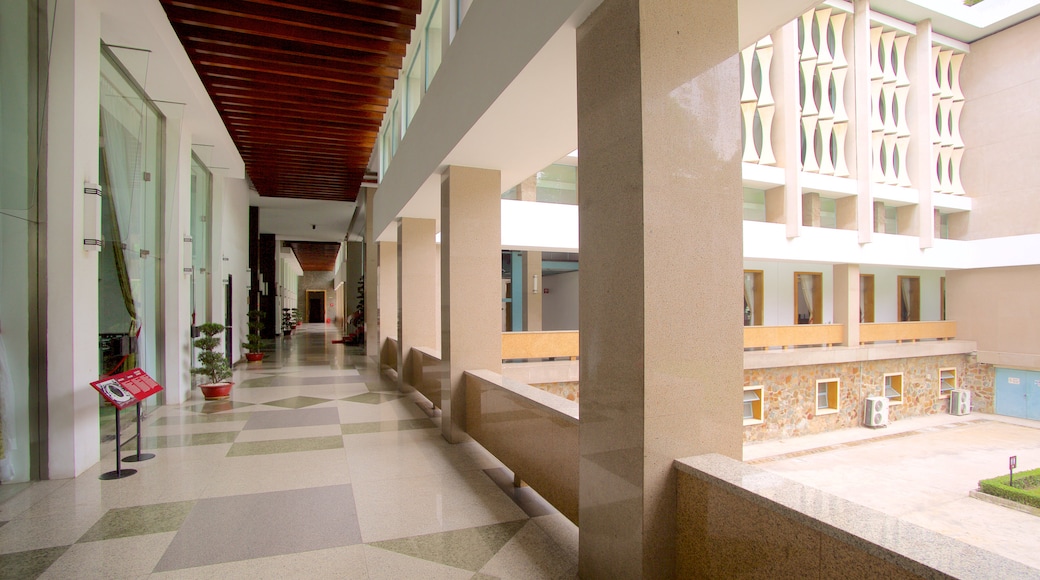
(1033, 396)
(1018, 393)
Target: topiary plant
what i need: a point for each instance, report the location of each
(213, 367)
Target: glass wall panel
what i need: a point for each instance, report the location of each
(413, 86)
(433, 40)
(201, 204)
(558, 184)
(20, 65)
(130, 265)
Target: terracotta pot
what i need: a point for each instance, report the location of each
(216, 390)
(254, 356)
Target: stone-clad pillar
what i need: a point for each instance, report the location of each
(661, 257)
(371, 273)
(386, 306)
(417, 278)
(533, 291)
(846, 301)
(471, 278)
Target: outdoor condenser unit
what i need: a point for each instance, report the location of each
(876, 412)
(960, 402)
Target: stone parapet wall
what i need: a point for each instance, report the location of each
(789, 393)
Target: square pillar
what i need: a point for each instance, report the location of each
(860, 122)
(372, 328)
(386, 304)
(417, 276)
(661, 319)
(880, 223)
(471, 278)
(921, 119)
(846, 301)
(811, 209)
(533, 291)
(784, 203)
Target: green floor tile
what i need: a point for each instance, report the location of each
(468, 549)
(28, 564)
(210, 407)
(298, 402)
(197, 419)
(379, 426)
(372, 398)
(187, 440)
(139, 520)
(285, 446)
(257, 382)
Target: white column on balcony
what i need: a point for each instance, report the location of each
(919, 115)
(861, 119)
(661, 333)
(846, 301)
(417, 276)
(784, 203)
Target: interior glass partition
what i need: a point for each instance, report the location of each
(130, 267)
(22, 70)
(202, 274)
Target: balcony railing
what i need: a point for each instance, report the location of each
(797, 335)
(540, 345)
(907, 331)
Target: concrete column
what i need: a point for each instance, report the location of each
(811, 209)
(784, 204)
(859, 125)
(661, 357)
(372, 328)
(920, 218)
(845, 210)
(533, 291)
(471, 266)
(878, 214)
(846, 301)
(527, 190)
(72, 270)
(386, 304)
(416, 275)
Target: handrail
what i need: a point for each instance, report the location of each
(904, 331)
(797, 335)
(537, 345)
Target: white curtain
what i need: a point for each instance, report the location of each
(862, 302)
(805, 282)
(749, 297)
(7, 441)
(905, 289)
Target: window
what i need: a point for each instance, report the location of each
(754, 205)
(894, 388)
(828, 213)
(753, 297)
(753, 405)
(947, 381)
(413, 92)
(909, 298)
(827, 396)
(434, 40)
(866, 298)
(808, 297)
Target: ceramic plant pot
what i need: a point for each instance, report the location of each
(214, 391)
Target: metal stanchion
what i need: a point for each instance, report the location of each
(119, 472)
(140, 456)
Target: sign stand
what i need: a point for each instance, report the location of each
(119, 472)
(140, 456)
(123, 390)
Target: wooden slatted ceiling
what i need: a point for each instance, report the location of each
(316, 256)
(302, 85)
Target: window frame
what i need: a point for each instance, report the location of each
(945, 394)
(913, 310)
(889, 381)
(757, 316)
(833, 396)
(758, 407)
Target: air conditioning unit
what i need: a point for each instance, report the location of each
(876, 412)
(960, 402)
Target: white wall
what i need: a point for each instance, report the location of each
(560, 305)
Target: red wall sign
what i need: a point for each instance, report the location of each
(127, 388)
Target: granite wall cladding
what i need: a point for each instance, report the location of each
(790, 392)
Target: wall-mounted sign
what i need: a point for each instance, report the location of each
(1014, 381)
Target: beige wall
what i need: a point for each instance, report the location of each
(998, 308)
(1000, 125)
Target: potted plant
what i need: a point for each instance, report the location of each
(213, 367)
(253, 341)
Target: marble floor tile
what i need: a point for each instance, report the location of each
(138, 520)
(373, 398)
(380, 426)
(468, 549)
(181, 440)
(400, 454)
(131, 557)
(304, 381)
(531, 553)
(27, 495)
(251, 526)
(389, 565)
(285, 446)
(297, 402)
(211, 407)
(398, 508)
(355, 413)
(346, 563)
(25, 534)
(289, 433)
(28, 564)
(292, 418)
(284, 471)
(192, 428)
(174, 421)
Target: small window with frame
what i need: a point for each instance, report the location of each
(894, 388)
(753, 403)
(827, 396)
(947, 381)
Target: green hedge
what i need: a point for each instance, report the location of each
(1030, 480)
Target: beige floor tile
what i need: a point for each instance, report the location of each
(532, 554)
(397, 454)
(278, 472)
(289, 433)
(47, 531)
(387, 565)
(346, 563)
(131, 557)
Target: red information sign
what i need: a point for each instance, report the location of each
(127, 388)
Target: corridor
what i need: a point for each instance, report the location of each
(316, 468)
